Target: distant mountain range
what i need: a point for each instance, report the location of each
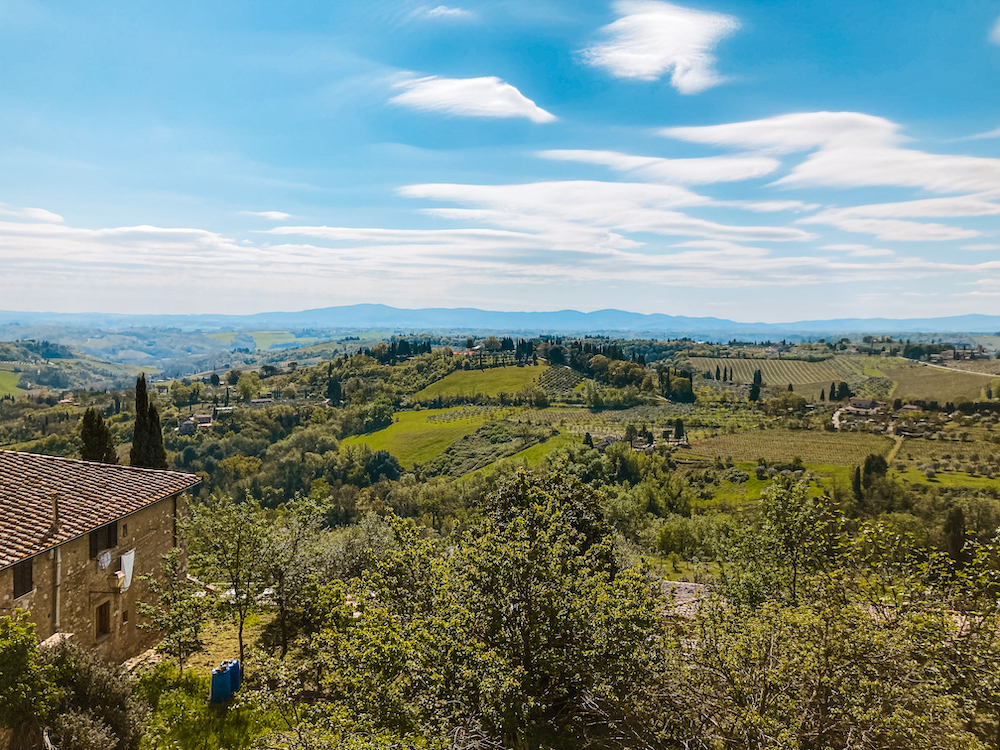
(355, 317)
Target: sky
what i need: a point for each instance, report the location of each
(771, 161)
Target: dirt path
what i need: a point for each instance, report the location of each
(951, 369)
(895, 449)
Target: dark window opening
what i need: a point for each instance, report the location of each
(124, 529)
(125, 617)
(105, 537)
(104, 619)
(23, 577)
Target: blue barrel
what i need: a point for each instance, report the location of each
(222, 685)
(235, 673)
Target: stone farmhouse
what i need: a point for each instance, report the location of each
(74, 538)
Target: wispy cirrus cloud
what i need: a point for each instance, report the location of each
(487, 96)
(34, 214)
(684, 171)
(443, 12)
(995, 33)
(652, 38)
(270, 215)
(849, 149)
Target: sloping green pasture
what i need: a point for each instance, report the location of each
(482, 382)
(418, 436)
(8, 383)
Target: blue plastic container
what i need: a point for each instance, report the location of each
(235, 673)
(222, 685)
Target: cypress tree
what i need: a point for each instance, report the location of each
(856, 482)
(754, 392)
(790, 389)
(97, 443)
(139, 455)
(679, 429)
(718, 373)
(157, 453)
(822, 395)
(833, 391)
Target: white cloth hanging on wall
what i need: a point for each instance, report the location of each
(128, 560)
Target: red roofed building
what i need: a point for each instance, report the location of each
(74, 538)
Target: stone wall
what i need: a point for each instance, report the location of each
(83, 586)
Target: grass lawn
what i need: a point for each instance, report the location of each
(8, 383)
(225, 337)
(484, 382)
(415, 437)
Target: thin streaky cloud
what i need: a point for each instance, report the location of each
(443, 12)
(995, 34)
(698, 171)
(653, 38)
(488, 96)
(981, 247)
(271, 215)
(34, 214)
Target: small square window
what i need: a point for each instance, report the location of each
(125, 617)
(124, 529)
(24, 577)
(104, 619)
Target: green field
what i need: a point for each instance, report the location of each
(8, 383)
(418, 436)
(933, 383)
(529, 457)
(830, 448)
(265, 339)
(775, 372)
(482, 382)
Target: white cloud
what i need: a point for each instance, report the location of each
(469, 97)
(859, 251)
(965, 205)
(652, 38)
(890, 229)
(271, 215)
(982, 136)
(34, 214)
(995, 34)
(443, 11)
(685, 171)
(617, 206)
(786, 134)
(981, 247)
(850, 149)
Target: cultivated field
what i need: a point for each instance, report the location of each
(934, 383)
(8, 383)
(265, 339)
(418, 436)
(779, 445)
(775, 372)
(482, 382)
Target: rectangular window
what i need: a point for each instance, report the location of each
(105, 537)
(23, 577)
(104, 619)
(124, 529)
(125, 617)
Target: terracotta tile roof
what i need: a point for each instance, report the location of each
(90, 494)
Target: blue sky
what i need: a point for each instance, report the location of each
(758, 161)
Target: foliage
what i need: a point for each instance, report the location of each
(97, 444)
(179, 609)
(26, 691)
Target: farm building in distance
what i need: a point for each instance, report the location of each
(74, 538)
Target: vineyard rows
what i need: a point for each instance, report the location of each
(559, 381)
(836, 448)
(775, 372)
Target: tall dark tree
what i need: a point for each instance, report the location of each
(790, 389)
(678, 429)
(822, 395)
(95, 436)
(754, 392)
(718, 373)
(954, 531)
(856, 483)
(833, 391)
(147, 437)
(157, 453)
(139, 455)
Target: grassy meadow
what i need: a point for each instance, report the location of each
(482, 382)
(418, 436)
(8, 383)
(782, 445)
